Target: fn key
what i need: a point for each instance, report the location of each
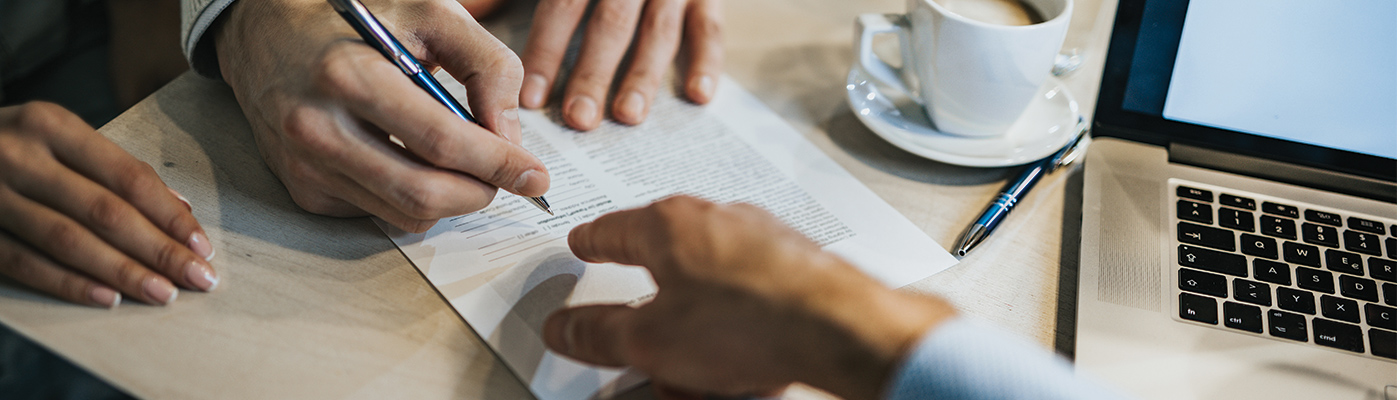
(1198, 308)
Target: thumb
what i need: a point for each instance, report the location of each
(591, 334)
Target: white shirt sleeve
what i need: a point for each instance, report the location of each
(196, 16)
(968, 359)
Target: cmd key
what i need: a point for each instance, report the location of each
(1337, 335)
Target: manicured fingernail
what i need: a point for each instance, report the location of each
(201, 275)
(524, 180)
(160, 290)
(630, 107)
(532, 91)
(182, 199)
(105, 296)
(702, 87)
(510, 124)
(583, 110)
(201, 246)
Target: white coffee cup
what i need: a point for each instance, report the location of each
(974, 78)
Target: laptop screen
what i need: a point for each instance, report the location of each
(1308, 81)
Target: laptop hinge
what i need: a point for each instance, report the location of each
(1282, 172)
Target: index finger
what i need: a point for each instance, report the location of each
(375, 90)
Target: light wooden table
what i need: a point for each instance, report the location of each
(316, 307)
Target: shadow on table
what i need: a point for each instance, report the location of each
(252, 201)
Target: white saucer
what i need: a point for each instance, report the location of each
(1046, 125)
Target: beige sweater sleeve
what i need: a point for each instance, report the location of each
(196, 16)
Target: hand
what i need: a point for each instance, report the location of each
(323, 105)
(659, 25)
(83, 220)
(744, 306)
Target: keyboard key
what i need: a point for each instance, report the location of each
(1272, 272)
(1315, 280)
(1339, 308)
(1390, 247)
(1342, 261)
(1382, 343)
(1323, 217)
(1200, 282)
(1236, 219)
(1237, 201)
(1337, 335)
(1258, 246)
(1388, 293)
(1321, 235)
(1193, 211)
(1205, 236)
(1296, 300)
(1277, 227)
(1382, 269)
(1362, 242)
(1194, 193)
(1366, 225)
(1211, 260)
(1376, 316)
(1287, 325)
(1280, 209)
(1197, 308)
(1358, 288)
(1252, 292)
(1301, 254)
(1243, 317)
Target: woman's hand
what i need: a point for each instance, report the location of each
(85, 221)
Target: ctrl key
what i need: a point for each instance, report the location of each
(1288, 325)
(1198, 308)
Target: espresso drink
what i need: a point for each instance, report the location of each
(1000, 12)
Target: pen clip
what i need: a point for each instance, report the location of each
(1076, 148)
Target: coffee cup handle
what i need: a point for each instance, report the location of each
(869, 25)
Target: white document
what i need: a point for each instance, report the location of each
(505, 268)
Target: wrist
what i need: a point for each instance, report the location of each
(879, 327)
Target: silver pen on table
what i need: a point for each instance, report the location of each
(1016, 189)
(378, 37)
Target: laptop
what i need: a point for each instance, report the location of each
(1239, 216)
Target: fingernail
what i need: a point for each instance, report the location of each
(510, 124)
(631, 107)
(583, 110)
(524, 180)
(160, 289)
(182, 199)
(533, 90)
(201, 246)
(105, 296)
(702, 87)
(201, 275)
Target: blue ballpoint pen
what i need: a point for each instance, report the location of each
(1016, 189)
(380, 39)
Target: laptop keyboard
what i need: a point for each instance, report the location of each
(1265, 266)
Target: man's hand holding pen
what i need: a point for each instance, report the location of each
(322, 106)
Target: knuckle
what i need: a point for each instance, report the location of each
(423, 201)
(73, 287)
(567, 4)
(108, 214)
(615, 15)
(137, 178)
(129, 274)
(337, 71)
(44, 117)
(17, 263)
(64, 236)
(438, 144)
(169, 257)
(304, 126)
